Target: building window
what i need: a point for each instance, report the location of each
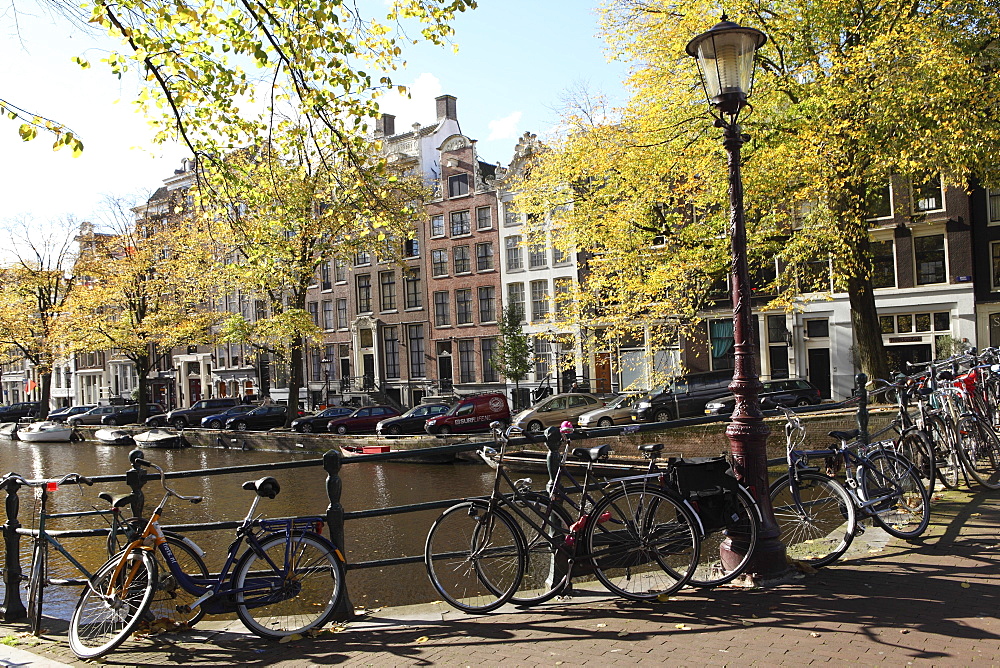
(994, 207)
(541, 358)
(437, 226)
(339, 271)
(325, 276)
(327, 315)
(341, 314)
(390, 337)
(995, 246)
(460, 223)
(559, 256)
(511, 218)
(536, 255)
(458, 185)
(442, 316)
(487, 304)
(904, 323)
(463, 306)
(416, 336)
(928, 196)
(488, 348)
(412, 282)
(484, 218)
(818, 328)
(942, 321)
(928, 252)
(364, 293)
(362, 257)
(484, 256)
(411, 248)
(883, 264)
(777, 348)
(514, 259)
(388, 290)
(721, 340)
(314, 312)
(439, 262)
(879, 204)
(561, 289)
(460, 256)
(515, 299)
(466, 361)
(539, 300)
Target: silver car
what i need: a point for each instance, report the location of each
(617, 411)
(555, 410)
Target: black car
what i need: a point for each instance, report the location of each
(412, 421)
(187, 417)
(15, 412)
(218, 420)
(63, 414)
(684, 397)
(129, 414)
(784, 392)
(259, 419)
(319, 422)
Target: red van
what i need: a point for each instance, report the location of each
(471, 413)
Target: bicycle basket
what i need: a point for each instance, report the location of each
(710, 489)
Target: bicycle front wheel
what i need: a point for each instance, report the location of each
(819, 527)
(546, 567)
(979, 452)
(946, 460)
(742, 532)
(111, 607)
(36, 585)
(905, 508)
(291, 584)
(917, 447)
(642, 543)
(475, 556)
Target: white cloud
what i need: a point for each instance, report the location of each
(419, 107)
(504, 128)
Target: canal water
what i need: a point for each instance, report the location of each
(303, 492)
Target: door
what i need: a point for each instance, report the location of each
(602, 373)
(444, 371)
(368, 361)
(818, 360)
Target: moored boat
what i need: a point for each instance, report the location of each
(8, 430)
(114, 437)
(417, 456)
(46, 432)
(160, 438)
(528, 461)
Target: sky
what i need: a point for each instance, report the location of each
(515, 63)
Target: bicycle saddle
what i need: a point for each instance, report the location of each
(118, 500)
(844, 435)
(651, 447)
(266, 486)
(593, 454)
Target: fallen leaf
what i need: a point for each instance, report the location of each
(682, 627)
(965, 585)
(601, 626)
(814, 635)
(422, 639)
(746, 622)
(622, 634)
(291, 638)
(904, 630)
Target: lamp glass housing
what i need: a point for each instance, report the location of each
(725, 57)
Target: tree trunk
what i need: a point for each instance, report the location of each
(45, 396)
(871, 355)
(142, 366)
(294, 379)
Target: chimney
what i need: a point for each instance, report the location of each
(386, 124)
(446, 108)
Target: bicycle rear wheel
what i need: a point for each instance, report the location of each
(475, 556)
(946, 459)
(820, 527)
(111, 607)
(36, 585)
(917, 447)
(906, 511)
(546, 568)
(291, 585)
(642, 542)
(742, 531)
(979, 451)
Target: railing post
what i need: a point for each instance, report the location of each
(861, 389)
(335, 523)
(135, 478)
(553, 458)
(12, 607)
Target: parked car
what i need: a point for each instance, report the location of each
(218, 420)
(784, 392)
(16, 411)
(260, 418)
(362, 420)
(319, 422)
(412, 421)
(555, 410)
(129, 414)
(471, 413)
(180, 418)
(617, 411)
(684, 397)
(93, 416)
(63, 414)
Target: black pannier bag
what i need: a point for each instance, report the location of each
(710, 488)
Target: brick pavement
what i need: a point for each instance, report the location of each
(933, 602)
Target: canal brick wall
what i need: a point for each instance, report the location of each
(703, 440)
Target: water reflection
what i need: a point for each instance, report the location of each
(303, 492)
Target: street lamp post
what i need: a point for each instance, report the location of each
(725, 56)
(326, 380)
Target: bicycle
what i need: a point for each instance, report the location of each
(288, 580)
(640, 544)
(913, 438)
(818, 516)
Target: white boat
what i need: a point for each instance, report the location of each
(8, 430)
(114, 437)
(46, 432)
(159, 438)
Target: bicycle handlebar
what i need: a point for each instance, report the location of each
(68, 479)
(139, 461)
